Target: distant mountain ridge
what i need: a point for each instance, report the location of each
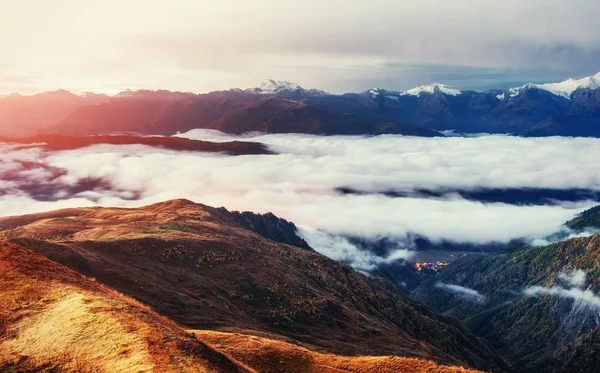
(568, 108)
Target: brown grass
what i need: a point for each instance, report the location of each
(54, 320)
(80, 332)
(197, 266)
(271, 356)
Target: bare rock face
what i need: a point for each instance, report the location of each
(271, 227)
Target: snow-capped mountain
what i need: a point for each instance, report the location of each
(271, 86)
(378, 92)
(278, 87)
(565, 88)
(432, 88)
(568, 108)
(417, 91)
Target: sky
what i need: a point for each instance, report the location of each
(336, 45)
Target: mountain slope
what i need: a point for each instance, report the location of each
(54, 320)
(271, 356)
(274, 115)
(24, 115)
(151, 113)
(168, 113)
(199, 267)
(529, 304)
(587, 219)
(580, 356)
(570, 108)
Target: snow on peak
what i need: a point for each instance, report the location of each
(565, 88)
(432, 88)
(374, 92)
(276, 86)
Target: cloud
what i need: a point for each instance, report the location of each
(463, 292)
(342, 250)
(581, 297)
(563, 234)
(300, 184)
(390, 162)
(574, 278)
(338, 45)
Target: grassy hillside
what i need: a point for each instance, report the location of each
(272, 356)
(54, 320)
(197, 266)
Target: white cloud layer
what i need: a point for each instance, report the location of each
(299, 184)
(391, 162)
(463, 292)
(581, 297)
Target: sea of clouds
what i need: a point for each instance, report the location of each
(300, 183)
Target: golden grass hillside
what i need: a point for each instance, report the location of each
(202, 269)
(271, 356)
(54, 320)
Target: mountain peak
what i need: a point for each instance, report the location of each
(276, 86)
(273, 87)
(565, 88)
(432, 88)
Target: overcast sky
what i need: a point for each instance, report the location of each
(335, 45)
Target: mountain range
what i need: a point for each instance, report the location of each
(569, 108)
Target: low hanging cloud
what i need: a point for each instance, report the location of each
(301, 183)
(463, 292)
(583, 297)
(563, 234)
(341, 249)
(576, 279)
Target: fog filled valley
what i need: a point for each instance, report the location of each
(434, 204)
